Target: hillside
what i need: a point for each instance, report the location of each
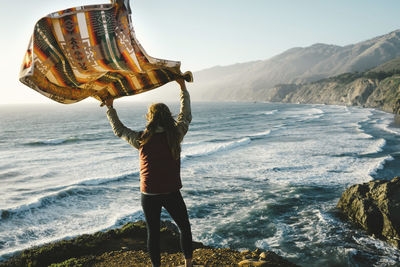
(247, 81)
(390, 66)
(373, 89)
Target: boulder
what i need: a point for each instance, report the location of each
(375, 207)
(255, 263)
(258, 258)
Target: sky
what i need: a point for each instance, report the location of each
(205, 33)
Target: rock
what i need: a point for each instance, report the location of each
(4, 214)
(248, 263)
(257, 251)
(263, 255)
(375, 207)
(397, 117)
(267, 258)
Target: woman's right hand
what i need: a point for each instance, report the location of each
(109, 102)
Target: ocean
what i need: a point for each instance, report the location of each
(255, 175)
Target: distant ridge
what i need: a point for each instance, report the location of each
(252, 80)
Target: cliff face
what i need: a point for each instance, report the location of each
(373, 93)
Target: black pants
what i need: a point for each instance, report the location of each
(174, 204)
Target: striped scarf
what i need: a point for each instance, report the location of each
(91, 51)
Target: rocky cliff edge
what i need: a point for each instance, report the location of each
(126, 246)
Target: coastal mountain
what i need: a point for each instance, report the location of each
(379, 90)
(254, 80)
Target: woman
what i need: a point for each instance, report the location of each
(160, 181)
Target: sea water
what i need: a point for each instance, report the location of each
(255, 175)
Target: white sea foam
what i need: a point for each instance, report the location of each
(34, 203)
(49, 198)
(304, 164)
(305, 114)
(386, 123)
(386, 127)
(188, 143)
(362, 133)
(269, 112)
(100, 181)
(315, 111)
(114, 221)
(270, 242)
(261, 134)
(395, 131)
(380, 245)
(210, 148)
(376, 147)
(53, 142)
(43, 217)
(379, 164)
(58, 141)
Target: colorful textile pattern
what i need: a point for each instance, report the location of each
(91, 51)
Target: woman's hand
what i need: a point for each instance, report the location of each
(181, 82)
(109, 102)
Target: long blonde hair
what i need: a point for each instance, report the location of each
(159, 115)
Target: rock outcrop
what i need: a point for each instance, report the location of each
(374, 206)
(126, 247)
(131, 236)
